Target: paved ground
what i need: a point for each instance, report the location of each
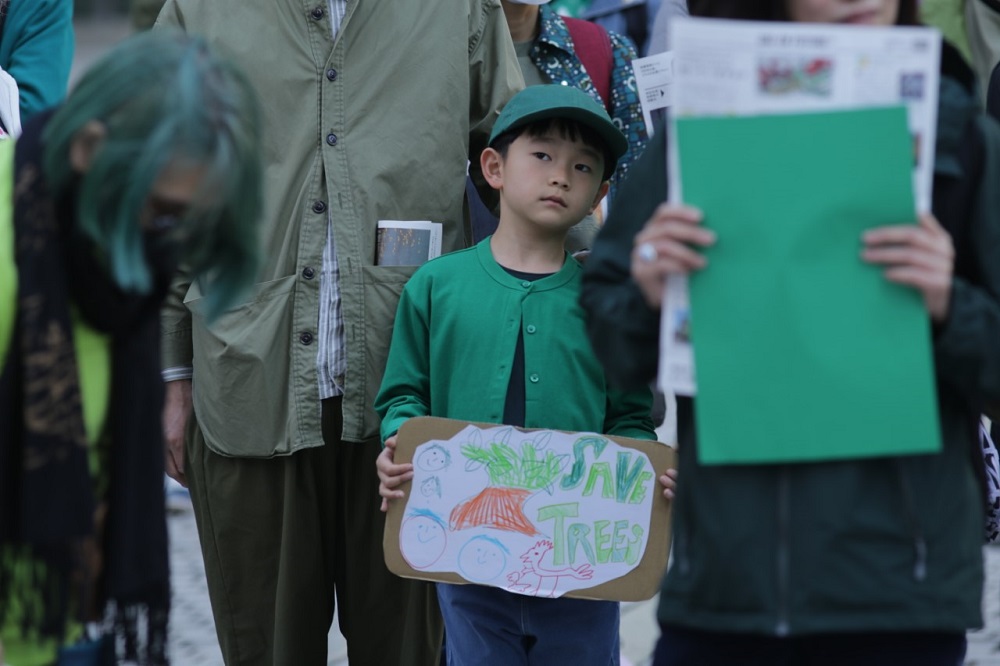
(192, 630)
(193, 641)
(984, 645)
(192, 634)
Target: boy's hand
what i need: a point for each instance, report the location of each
(391, 475)
(663, 248)
(920, 256)
(669, 482)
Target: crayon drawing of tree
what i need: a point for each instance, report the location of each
(515, 474)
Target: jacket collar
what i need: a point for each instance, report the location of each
(552, 31)
(570, 270)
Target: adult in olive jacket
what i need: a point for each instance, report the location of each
(372, 111)
(850, 553)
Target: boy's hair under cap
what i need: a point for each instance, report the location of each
(556, 101)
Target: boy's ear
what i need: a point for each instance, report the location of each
(85, 144)
(602, 192)
(491, 162)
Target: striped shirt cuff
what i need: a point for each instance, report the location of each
(174, 374)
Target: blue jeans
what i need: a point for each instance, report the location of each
(487, 625)
(682, 647)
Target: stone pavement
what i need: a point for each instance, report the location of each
(984, 645)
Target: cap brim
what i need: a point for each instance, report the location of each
(614, 139)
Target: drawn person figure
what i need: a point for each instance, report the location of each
(544, 577)
(433, 458)
(866, 562)
(550, 155)
(482, 559)
(423, 538)
(431, 487)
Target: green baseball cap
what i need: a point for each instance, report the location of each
(556, 101)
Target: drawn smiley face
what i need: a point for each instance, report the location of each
(433, 458)
(422, 539)
(482, 559)
(431, 487)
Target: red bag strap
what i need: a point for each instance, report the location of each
(593, 48)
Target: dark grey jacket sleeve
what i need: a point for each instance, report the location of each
(623, 330)
(967, 345)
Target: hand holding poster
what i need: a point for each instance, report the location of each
(540, 513)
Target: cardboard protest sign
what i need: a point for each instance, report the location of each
(535, 512)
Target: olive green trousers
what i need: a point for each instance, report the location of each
(287, 539)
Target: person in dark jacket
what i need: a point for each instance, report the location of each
(872, 561)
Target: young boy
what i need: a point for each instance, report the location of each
(494, 333)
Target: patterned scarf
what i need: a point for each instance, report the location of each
(72, 553)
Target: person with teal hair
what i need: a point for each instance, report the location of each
(152, 163)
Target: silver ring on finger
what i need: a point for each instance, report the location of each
(646, 252)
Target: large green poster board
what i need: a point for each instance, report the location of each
(803, 351)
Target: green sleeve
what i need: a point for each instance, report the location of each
(628, 414)
(406, 391)
(175, 319)
(175, 325)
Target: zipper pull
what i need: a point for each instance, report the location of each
(920, 566)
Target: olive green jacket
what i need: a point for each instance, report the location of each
(375, 125)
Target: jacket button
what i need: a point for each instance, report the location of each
(308, 273)
(530, 328)
(319, 206)
(526, 284)
(331, 139)
(331, 74)
(306, 338)
(317, 13)
(534, 378)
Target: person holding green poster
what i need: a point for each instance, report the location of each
(856, 561)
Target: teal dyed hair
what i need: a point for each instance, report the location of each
(165, 98)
